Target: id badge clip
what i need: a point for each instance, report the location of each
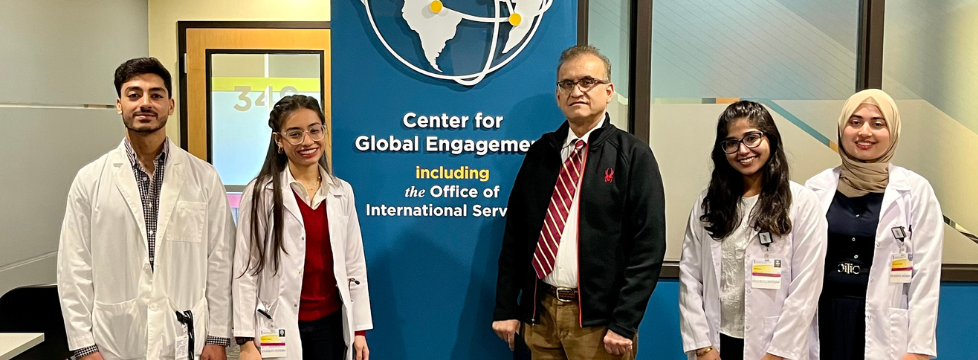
(900, 234)
(766, 240)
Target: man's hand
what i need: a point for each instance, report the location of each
(213, 352)
(360, 347)
(616, 344)
(507, 329)
(249, 351)
(771, 357)
(93, 356)
(915, 357)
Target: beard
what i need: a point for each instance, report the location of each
(130, 122)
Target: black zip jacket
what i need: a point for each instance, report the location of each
(622, 233)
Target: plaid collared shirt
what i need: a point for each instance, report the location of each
(149, 195)
(149, 192)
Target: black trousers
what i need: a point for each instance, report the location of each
(731, 348)
(323, 339)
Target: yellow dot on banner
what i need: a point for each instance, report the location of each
(515, 19)
(436, 6)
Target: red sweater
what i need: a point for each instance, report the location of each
(319, 297)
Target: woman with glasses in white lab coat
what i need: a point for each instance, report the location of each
(752, 258)
(886, 231)
(300, 286)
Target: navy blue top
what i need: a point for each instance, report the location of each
(851, 244)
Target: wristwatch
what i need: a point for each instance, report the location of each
(243, 340)
(704, 351)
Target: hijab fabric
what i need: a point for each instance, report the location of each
(858, 177)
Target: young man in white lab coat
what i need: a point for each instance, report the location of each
(144, 265)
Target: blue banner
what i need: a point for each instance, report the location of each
(434, 104)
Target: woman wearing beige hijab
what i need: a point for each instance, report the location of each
(883, 263)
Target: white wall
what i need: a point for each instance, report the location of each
(58, 56)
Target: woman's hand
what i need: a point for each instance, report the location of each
(360, 347)
(915, 357)
(712, 355)
(249, 351)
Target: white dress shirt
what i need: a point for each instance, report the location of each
(565, 267)
(300, 189)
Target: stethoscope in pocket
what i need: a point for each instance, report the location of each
(187, 319)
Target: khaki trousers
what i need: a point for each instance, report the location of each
(559, 335)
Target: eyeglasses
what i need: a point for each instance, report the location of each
(295, 136)
(750, 140)
(587, 83)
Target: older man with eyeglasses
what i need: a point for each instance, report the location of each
(585, 235)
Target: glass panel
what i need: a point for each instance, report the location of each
(929, 57)
(608, 30)
(797, 57)
(787, 49)
(244, 88)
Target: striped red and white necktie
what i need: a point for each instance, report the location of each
(560, 203)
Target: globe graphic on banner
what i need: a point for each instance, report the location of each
(455, 40)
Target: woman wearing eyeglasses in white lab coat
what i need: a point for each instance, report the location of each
(300, 285)
(753, 255)
(886, 230)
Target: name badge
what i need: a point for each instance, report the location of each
(766, 274)
(273, 344)
(180, 348)
(901, 268)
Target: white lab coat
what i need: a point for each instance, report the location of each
(900, 318)
(780, 321)
(278, 293)
(109, 295)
